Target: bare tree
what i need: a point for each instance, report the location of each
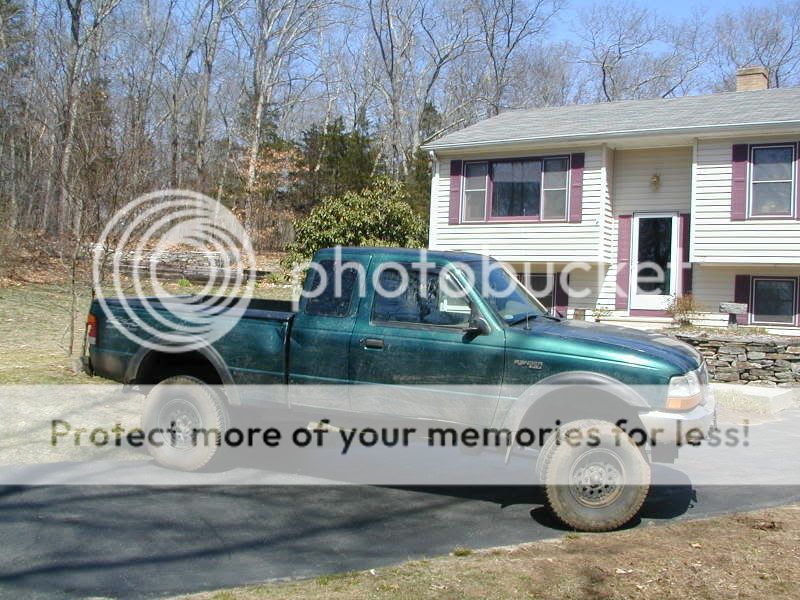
(768, 36)
(85, 23)
(507, 27)
(416, 42)
(279, 32)
(209, 43)
(632, 53)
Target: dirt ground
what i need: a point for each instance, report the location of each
(751, 555)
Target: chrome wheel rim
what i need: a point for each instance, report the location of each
(597, 478)
(178, 421)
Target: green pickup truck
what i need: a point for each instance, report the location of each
(402, 318)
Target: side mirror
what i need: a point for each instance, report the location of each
(477, 326)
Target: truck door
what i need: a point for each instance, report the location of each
(416, 342)
(321, 332)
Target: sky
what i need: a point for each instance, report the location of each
(677, 9)
(682, 8)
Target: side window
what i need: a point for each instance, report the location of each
(554, 189)
(326, 302)
(475, 186)
(437, 301)
(771, 181)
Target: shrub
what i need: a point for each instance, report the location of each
(377, 216)
(684, 308)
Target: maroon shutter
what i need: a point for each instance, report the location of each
(576, 187)
(797, 184)
(741, 294)
(623, 261)
(561, 296)
(686, 268)
(739, 182)
(455, 192)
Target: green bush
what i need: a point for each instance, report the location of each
(377, 216)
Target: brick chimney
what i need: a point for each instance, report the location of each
(750, 79)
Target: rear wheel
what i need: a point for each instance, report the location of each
(597, 486)
(188, 420)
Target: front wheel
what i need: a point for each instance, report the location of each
(188, 420)
(599, 481)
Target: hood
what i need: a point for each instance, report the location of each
(610, 342)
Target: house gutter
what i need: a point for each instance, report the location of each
(617, 134)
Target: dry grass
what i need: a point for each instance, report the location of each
(753, 555)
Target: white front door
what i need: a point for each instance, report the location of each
(655, 263)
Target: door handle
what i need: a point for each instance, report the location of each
(373, 344)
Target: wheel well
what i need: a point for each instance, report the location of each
(157, 366)
(555, 409)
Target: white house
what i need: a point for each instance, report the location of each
(591, 199)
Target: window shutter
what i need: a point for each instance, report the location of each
(576, 187)
(686, 268)
(455, 192)
(741, 294)
(561, 297)
(739, 157)
(797, 183)
(623, 260)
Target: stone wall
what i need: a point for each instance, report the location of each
(757, 359)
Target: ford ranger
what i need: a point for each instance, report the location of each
(379, 316)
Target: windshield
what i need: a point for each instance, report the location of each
(503, 292)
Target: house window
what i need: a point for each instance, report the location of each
(772, 181)
(534, 189)
(475, 186)
(554, 190)
(773, 300)
(516, 188)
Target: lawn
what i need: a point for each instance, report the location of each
(752, 555)
(34, 321)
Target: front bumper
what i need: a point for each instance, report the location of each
(681, 428)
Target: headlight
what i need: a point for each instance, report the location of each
(685, 392)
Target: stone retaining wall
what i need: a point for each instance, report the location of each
(758, 359)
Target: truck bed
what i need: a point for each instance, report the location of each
(253, 351)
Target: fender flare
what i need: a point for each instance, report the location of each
(207, 351)
(539, 390)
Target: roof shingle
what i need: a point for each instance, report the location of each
(631, 117)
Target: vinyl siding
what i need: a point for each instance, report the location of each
(633, 171)
(516, 242)
(715, 284)
(717, 239)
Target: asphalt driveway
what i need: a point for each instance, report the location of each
(254, 523)
(68, 541)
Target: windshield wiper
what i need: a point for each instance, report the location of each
(532, 315)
